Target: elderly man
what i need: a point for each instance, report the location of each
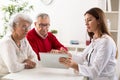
(43, 41)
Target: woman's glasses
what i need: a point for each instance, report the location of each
(26, 28)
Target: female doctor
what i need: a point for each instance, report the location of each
(97, 62)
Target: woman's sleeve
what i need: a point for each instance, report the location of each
(80, 57)
(9, 57)
(104, 52)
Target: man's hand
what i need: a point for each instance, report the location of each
(54, 51)
(62, 50)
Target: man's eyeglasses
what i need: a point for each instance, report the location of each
(44, 25)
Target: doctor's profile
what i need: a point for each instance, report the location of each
(98, 60)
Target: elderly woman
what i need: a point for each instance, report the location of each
(16, 53)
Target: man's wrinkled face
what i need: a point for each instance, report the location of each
(42, 25)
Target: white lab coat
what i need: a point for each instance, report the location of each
(12, 57)
(102, 60)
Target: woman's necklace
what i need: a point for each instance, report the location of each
(16, 42)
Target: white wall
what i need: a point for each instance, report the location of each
(67, 16)
(119, 33)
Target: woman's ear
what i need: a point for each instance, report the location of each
(14, 26)
(98, 22)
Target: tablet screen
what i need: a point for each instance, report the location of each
(51, 60)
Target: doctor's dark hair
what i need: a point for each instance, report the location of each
(100, 16)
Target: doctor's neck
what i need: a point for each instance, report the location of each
(96, 35)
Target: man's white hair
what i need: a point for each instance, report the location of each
(15, 19)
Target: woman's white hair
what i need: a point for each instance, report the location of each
(15, 19)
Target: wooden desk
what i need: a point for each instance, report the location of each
(41, 73)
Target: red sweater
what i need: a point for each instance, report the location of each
(43, 45)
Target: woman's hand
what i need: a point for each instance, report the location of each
(68, 62)
(29, 64)
(65, 61)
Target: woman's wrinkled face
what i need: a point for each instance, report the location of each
(21, 28)
(91, 23)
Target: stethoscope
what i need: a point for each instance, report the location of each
(89, 57)
(90, 53)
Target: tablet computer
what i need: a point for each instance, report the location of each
(51, 60)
